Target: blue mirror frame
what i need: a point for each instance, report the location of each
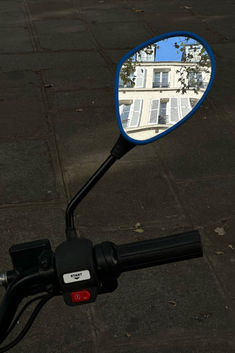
(139, 47)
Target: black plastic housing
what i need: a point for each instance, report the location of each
(27, 255)
(71, 258)
(121, 147)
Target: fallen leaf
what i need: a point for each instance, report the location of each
(172, 302)
(48, 85)
(219, 252)
(219, 231)
(138, 228)
(79, 110)
(139, 11)
(205, 315)
(128, 334)
(201, 316)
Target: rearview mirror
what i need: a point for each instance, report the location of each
(161, 83)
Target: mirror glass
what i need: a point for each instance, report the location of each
(160, 84)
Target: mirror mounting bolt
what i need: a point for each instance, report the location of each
(121, 147)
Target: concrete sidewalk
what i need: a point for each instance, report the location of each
(57, 125)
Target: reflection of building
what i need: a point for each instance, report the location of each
(156, 101)
(192, 53)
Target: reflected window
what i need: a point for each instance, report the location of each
(192, 53)
(160, 79)
(134, 80)
(163, 117)
(128, 82)
(158, 112)
(193, 102)
(168, 111)
(195, 79)
(130, 113)
(124, 114)
(147, 54)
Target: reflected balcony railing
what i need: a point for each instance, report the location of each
(163, 119)
(195, 84)
(126, 85)
(161, 84)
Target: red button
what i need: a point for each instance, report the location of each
(81, 296)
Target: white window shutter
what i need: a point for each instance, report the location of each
(154, 111)
(140, 74)
(174, 117)
(124, 113)
(136, 113)
(185, 106)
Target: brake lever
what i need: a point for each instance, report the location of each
(33, 273)
(14, 294)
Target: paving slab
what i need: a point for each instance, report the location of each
(100, 4)
(208, 200)
(116, 55)
(53, 10)
(126, 192)
(83, 78)
(83, 99)
(121, 35)
(20, 94)
(79, 135)
(26, 172)
(63, 35)
(15, 40)
(220, 249)
(11, 13)
(46, 60)
(211, 8)
(210, 343)
(222, 25)
(108, 14)
(200, 146)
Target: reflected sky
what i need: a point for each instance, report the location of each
(167, 50)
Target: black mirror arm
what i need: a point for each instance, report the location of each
(121, 147)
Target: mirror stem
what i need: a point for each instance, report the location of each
(121, 147)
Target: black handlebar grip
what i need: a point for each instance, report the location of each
(159, 251)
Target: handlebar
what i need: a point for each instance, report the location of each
(159, 251)
(80, 271)
(133, 256)
(11, 300)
